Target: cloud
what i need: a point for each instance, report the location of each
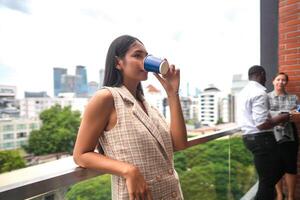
(18, 5)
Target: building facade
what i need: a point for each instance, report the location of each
(66, 83)
(57, 79)
(237, 84)
(92, 88)
(288, 48)
(154, 97)
(70, 83)
(15, 132)
(81, 83)
(209, 106)
(9, 106)
(101, 77)
(31, 107)
(195, 109)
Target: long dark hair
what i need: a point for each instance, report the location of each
(118, 49)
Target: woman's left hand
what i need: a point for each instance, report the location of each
(170, 81)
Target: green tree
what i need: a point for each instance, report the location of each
(198, 183)
(58, 131)
(10, 160)
(180, 161)
(212, 159)
(98, 188)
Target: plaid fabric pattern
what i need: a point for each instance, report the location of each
(283, 103)
(144, 141)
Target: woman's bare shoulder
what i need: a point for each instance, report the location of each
(104, 94)
(102, 99)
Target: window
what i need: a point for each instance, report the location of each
(8, 136)
(21, 134)
(8, 145)
(21, 143)
(33, 126)
(21, 126)
(8, 127)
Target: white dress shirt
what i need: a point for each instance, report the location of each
(253, 108)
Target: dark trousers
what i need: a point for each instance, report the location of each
(267, 162)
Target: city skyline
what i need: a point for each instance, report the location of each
(206, 42)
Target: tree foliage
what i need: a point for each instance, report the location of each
(58, 131)
(197, 183)
(98, 188)
(208, 168)
(10, 160)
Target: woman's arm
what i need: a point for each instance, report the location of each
(177, 124)
(95, 119)
(171, 82)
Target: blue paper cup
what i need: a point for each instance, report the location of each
(157, 65)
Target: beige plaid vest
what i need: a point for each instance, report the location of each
(144, 141)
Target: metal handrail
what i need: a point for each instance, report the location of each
(250, 195)
(39, 179)
(206, 138)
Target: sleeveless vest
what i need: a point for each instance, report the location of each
(144, 141)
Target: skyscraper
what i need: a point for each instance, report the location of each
(101, 77)
(93, 87)
(57, 76)
(209, 105)
(69, 83)
(81, 84)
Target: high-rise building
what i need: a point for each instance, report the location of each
(69, 83)
(197, 92)
(81, 89)
(101, 77)
(8, 103)
(209, 106)
(92, 88)
(238, 83)
(57, 76)
(186, 103)
(65, 83)
(194, 108)
(226, 108)
(154, 97)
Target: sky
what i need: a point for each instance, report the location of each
(208, 40)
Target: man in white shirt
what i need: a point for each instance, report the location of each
(256, 124)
